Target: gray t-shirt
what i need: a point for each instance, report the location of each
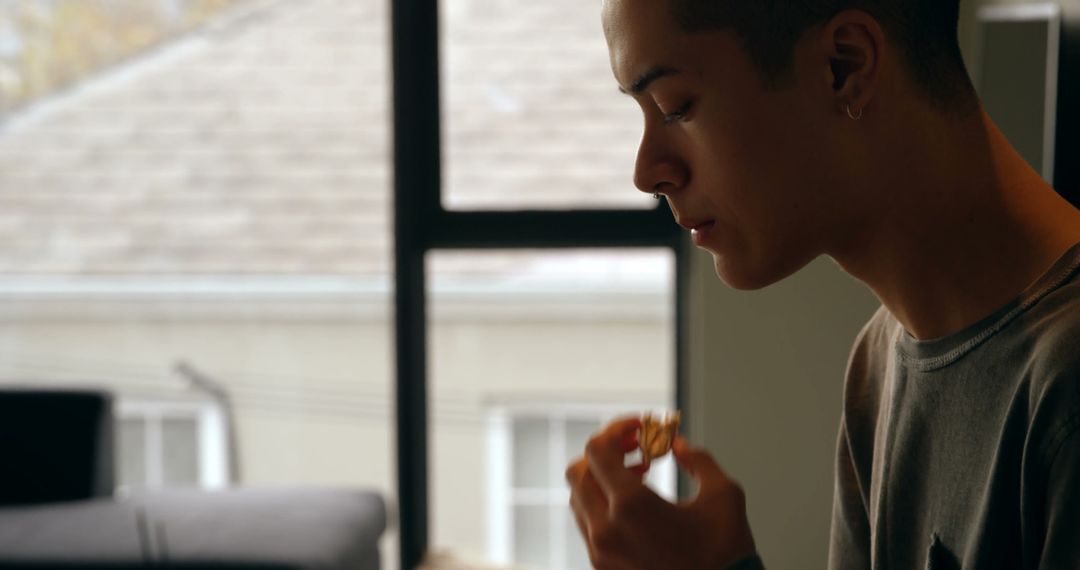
(964, 451)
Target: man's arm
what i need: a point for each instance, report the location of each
(1061, 549)
(849, 540)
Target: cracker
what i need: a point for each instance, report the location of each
(657, 434)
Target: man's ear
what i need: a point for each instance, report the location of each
(855, 41)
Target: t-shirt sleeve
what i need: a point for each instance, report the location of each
(849, 538)
(1061, 549)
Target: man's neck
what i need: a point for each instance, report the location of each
(968, 226)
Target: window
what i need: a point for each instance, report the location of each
(204, 181)
(170, 444)
(532, 115)
(529, 448)
(532, 351)
(529, 197)
(209, 181)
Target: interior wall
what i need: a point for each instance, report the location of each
(766, 377)
(1067, 167)
(766, 396)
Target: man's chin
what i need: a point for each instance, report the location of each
(745, 276)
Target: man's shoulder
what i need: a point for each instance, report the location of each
(876, 328)
(868, 359)
(1052, 329)
(873, 340)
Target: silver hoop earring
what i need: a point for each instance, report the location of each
(853, 116)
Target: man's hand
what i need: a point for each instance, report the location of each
(627, 526)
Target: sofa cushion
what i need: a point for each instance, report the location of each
(245, 528)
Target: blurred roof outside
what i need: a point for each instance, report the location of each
(247, 151)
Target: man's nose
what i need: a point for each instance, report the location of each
(658, 167)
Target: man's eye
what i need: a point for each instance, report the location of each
(678, 115)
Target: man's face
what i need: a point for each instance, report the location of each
(749, 161)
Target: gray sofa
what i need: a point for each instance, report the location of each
(244, 528)
(55, 512)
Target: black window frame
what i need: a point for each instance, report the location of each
(422, 224)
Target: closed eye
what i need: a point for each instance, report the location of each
(678, 115)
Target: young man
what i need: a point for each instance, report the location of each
(781, 131)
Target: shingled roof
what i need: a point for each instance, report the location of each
(259, 145)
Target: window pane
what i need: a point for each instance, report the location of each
(532, 460)
(205, 183)
(180, 448)
(532, 536)
(531, 352)
(577, 554)
(131, 453)
(578, 433)
(532, 114)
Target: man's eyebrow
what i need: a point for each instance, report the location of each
(648, 77)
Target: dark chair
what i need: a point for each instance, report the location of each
(55, 445)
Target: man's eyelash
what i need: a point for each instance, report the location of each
(678, 115)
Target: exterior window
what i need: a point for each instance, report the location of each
(529, 450)
(169, 444)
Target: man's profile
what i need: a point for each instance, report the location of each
(782, 131)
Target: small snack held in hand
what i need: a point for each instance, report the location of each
(657, 434)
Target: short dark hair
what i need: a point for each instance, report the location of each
(925, 31)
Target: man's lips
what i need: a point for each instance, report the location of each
(695, 224)
(700, 229)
